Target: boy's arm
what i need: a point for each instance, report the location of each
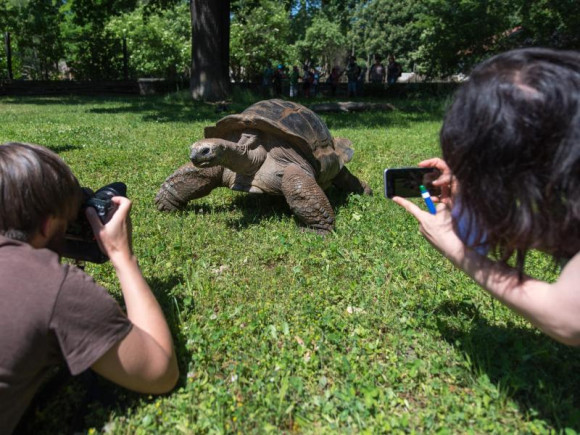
(145, 359)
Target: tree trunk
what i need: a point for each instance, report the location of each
(210, 53)
(8, 54)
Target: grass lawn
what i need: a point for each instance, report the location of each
(279, 330)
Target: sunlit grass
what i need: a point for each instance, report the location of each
(277, 329)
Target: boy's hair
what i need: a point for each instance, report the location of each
(34, 183)
(512, 139)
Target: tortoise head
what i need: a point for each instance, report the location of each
(244, 156)
(209, 152)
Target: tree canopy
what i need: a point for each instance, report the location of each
(258, 35)
(434, 37)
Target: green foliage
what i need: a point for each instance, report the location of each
(159, 44)
(367, 330)
(7, 19)
(92, 51)
(323, 43)
(387, 27)
(35, 36)
(96, 13)
(550, 23)
(435, 37)
(306, 15)
(94, 55)
(258, 36)
(458, 34)
(339, 11)
(7, 14)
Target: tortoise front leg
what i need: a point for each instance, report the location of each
(187, 183)
(307, 200)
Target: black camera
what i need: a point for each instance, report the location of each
(79, 241)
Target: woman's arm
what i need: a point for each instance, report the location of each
(553, 308)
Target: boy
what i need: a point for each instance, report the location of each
(52, 313)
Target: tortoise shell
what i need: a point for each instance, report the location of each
(293, 124)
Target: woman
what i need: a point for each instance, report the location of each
(511, 149)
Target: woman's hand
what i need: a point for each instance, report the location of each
(446, 181)
(437, 229)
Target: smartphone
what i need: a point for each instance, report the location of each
(405, 182)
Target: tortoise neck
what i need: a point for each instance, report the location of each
(244, 160)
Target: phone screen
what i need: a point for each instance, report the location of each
(405, 182)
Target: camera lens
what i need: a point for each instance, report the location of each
(110, 190)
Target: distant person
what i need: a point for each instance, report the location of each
(353, 72)
(377, 72)
(279, 76)
(334, 80)
(394, 71)
(267, 80)
(511, 170)
(315, 81)
(306, 81)
(360, 81)
(53, 314)
(294, 78)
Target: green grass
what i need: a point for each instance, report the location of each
(279, 330)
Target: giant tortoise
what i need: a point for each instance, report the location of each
(273, 147)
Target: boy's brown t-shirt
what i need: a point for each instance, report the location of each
(50, 313)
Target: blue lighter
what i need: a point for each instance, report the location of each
(428, 200)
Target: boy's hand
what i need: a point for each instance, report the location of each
(113, 237)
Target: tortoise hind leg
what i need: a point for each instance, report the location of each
(344, 180)
(185, 184)
(307, 200)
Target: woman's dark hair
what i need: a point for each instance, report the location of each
(34, 183)
(512, 140)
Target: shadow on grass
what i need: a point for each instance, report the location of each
(538, 373)
(162, 110)
(405, 116)
(256, 208)
(67, 100)
(71, 405)
(64, 148)
(173, 306)
(150, 109)
(177, 108)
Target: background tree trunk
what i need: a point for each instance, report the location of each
(210, 25)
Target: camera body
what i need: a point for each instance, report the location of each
(79, 241)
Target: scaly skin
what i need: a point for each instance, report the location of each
(188, 183)
(307, 200)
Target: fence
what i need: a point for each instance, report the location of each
(108, 59)
(119, 82)
(124, 84)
